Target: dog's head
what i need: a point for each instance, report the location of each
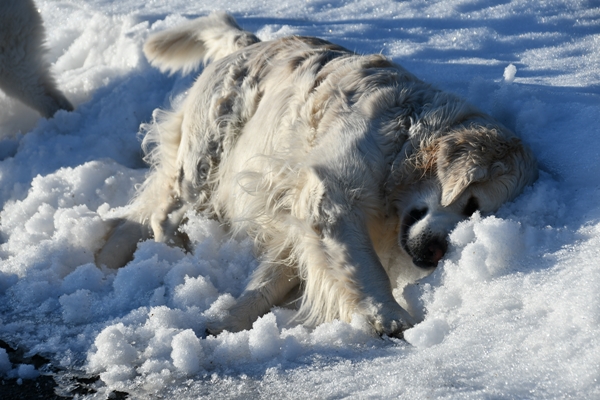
(474, 168)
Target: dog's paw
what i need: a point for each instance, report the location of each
(122, 238)
(229, 323)
(390, 319)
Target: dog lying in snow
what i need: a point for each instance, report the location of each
(24, 73)
(347, 170)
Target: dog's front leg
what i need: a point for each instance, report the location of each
(356, 268)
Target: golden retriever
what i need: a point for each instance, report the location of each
(346, 170)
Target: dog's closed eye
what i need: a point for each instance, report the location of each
(471, 206)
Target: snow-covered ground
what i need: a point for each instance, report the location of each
(513, 311)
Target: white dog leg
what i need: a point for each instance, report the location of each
(166, 219)
(123, 238)
(24, 73)
(124, 233)
(270, 285)
(355, 281)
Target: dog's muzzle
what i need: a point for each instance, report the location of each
(426, 249)
(428, 253)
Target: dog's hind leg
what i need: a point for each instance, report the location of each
(125, 233)
(123, 236)
(271, 285)
(166, 220)
(157, 209)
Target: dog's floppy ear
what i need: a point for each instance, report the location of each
(478, 154)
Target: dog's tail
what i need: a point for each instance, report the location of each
(204, 39)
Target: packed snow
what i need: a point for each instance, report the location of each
(513, 310)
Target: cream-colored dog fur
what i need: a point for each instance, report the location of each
(24, 72)
(347, 170)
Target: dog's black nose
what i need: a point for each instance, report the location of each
(430, 253)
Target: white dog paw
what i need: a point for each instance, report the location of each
(393, 328)
(391, 320)
(229, 324)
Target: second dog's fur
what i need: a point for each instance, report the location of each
(347, 170)
(24, 72)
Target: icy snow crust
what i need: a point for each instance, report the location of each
(513, 311)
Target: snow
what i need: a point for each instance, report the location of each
(513, 311)
(509, 73)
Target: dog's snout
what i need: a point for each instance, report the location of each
(423, 235)
(436, 249)
(430, 253)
